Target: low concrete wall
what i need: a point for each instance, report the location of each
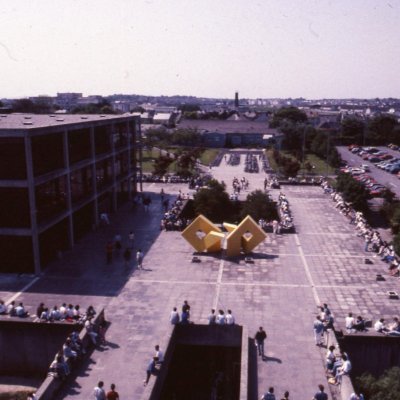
(201, 335)
(27, 347)
(51, 385)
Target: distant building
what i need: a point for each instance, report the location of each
(58, 173)
(233, 133)
(67, 101)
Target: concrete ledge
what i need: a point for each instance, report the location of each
(51, 384)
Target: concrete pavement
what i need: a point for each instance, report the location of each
(291, 274)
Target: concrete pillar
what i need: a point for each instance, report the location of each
(94, 180)
(68, 187)
(113, 169)
(130, 169)
(32, 204)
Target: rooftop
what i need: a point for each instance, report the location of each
(229, 126)
(32, 121)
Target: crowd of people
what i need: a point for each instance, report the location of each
(285, 215)
(392, 329)
(172, 219)
(13, 310)
(372, 238)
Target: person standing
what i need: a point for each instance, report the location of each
(118, 241)
(320, 395)
(318, 331)
(174, 317)
(260, 338)
(98, 392)
(212, 318)
(139, 258)
(229, 318)
(112, 394)
(269, 395)
(131, 239)
(127, 256)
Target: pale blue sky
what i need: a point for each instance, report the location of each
(210, 48)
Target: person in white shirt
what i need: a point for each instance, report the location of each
(229, 318)
(343, 370)
(159, 355)
(349, 323)
(220, 318)
(3, 308)
(174, 317)
(380, 326)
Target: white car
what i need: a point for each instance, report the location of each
(365, 167)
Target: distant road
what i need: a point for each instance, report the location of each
(385, 178)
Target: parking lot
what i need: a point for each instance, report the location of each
(380, 176)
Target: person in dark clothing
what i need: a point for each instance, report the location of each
(260, 338)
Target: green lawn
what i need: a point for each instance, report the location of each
(321, 167)
(208, 156)
(149, 156)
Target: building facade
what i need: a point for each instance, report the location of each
(58, 174)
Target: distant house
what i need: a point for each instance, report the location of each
(233, 132)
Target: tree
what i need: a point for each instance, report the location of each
(186, 161)
(386, 387)
(213, 202)
(24, 106)
(186, 137)
(259, 205)
(353, 191)
(161, 165)
(292, 114)
(352, 131)
(189, 107)
(380, 129)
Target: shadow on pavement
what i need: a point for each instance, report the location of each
(252, 384)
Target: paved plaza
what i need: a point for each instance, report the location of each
(324, 262)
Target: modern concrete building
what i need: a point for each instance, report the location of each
(58, 173)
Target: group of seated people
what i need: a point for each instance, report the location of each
(392, 329)
(337, 365)
(372, 238)
(357, 324)
(286, 219)
(172, 221)
(12, 310)
(65, 312)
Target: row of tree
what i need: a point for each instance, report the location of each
(214, 203)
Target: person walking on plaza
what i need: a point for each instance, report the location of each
(260, 338)
(127, 256)
(112, 394)
(131, 239)
(98, 392)
(139, 258)
(320, 395)
(269, 395)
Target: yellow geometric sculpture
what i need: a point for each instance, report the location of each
(213, 241)
(203, 235)
(247, 235)
(203, 241)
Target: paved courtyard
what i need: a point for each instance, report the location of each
(290, 276)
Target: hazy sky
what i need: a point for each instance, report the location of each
(210, 48)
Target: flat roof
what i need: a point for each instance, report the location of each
(229, 126)
(32, 121)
